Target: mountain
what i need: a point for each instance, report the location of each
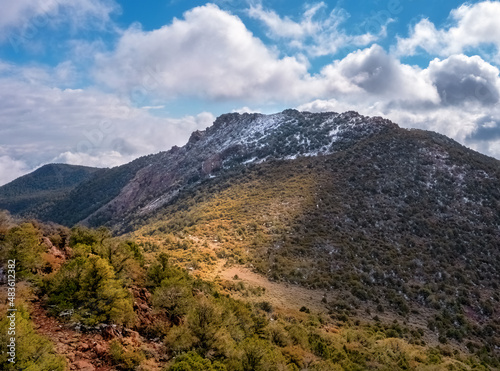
(399, 224)
(392, 225)
(146, 184)
(32, 193)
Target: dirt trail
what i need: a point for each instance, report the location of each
(279, 294)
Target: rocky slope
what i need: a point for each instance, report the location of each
(236, 140)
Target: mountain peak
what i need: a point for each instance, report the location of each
(233, 141)
(236, 140)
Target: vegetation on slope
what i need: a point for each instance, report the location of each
(402, 225)
(33, 193)
(399, 230)
(198, 324)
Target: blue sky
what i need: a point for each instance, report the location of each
(101, 82)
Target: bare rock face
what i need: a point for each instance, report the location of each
(195, 137)
(213, 163)
(110, 332)
(84, 347)
(53, 250)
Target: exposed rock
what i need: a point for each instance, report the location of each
(83, 347)
(132, 334)
(53, 250)
(234, 140)
(212, 163)
(196, 136)
(110, 332)
(84, 365)
(100, 349)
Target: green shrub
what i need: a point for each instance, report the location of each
(192, 361)
(125, 359)
(22, 243)
(174, 297)
(265, 306)
(88, 287)
(33, 352)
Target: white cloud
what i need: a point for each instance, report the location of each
(457, 124)
(40, 123)
(246, 109)
(475, 25)
(314, 34)
(209, 54)
(104, 159)
(490, 147)
(22, 20)
(451, 96)
(16, 13)
(285, 27)
(372, 75)
(11, 169)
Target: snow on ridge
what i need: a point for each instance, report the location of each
(249, 161)
(262, 124)
(288, 134)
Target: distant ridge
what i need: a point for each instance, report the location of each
(37, 190)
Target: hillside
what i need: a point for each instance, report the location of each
(402, 225)
(87, 301)
(385, 226)
(31, 194)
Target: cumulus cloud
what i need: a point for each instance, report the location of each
(246, 109)
(474, 25)
(315, 34)
(457, 124)
(488, 128)
(103, 159)
(373, 74)
(461, 79)
(486, 136)
(211, 56)
(450, 96)
(490, 147)
(208, 54)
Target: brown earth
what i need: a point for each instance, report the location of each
(90, 351)
(87, 352)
